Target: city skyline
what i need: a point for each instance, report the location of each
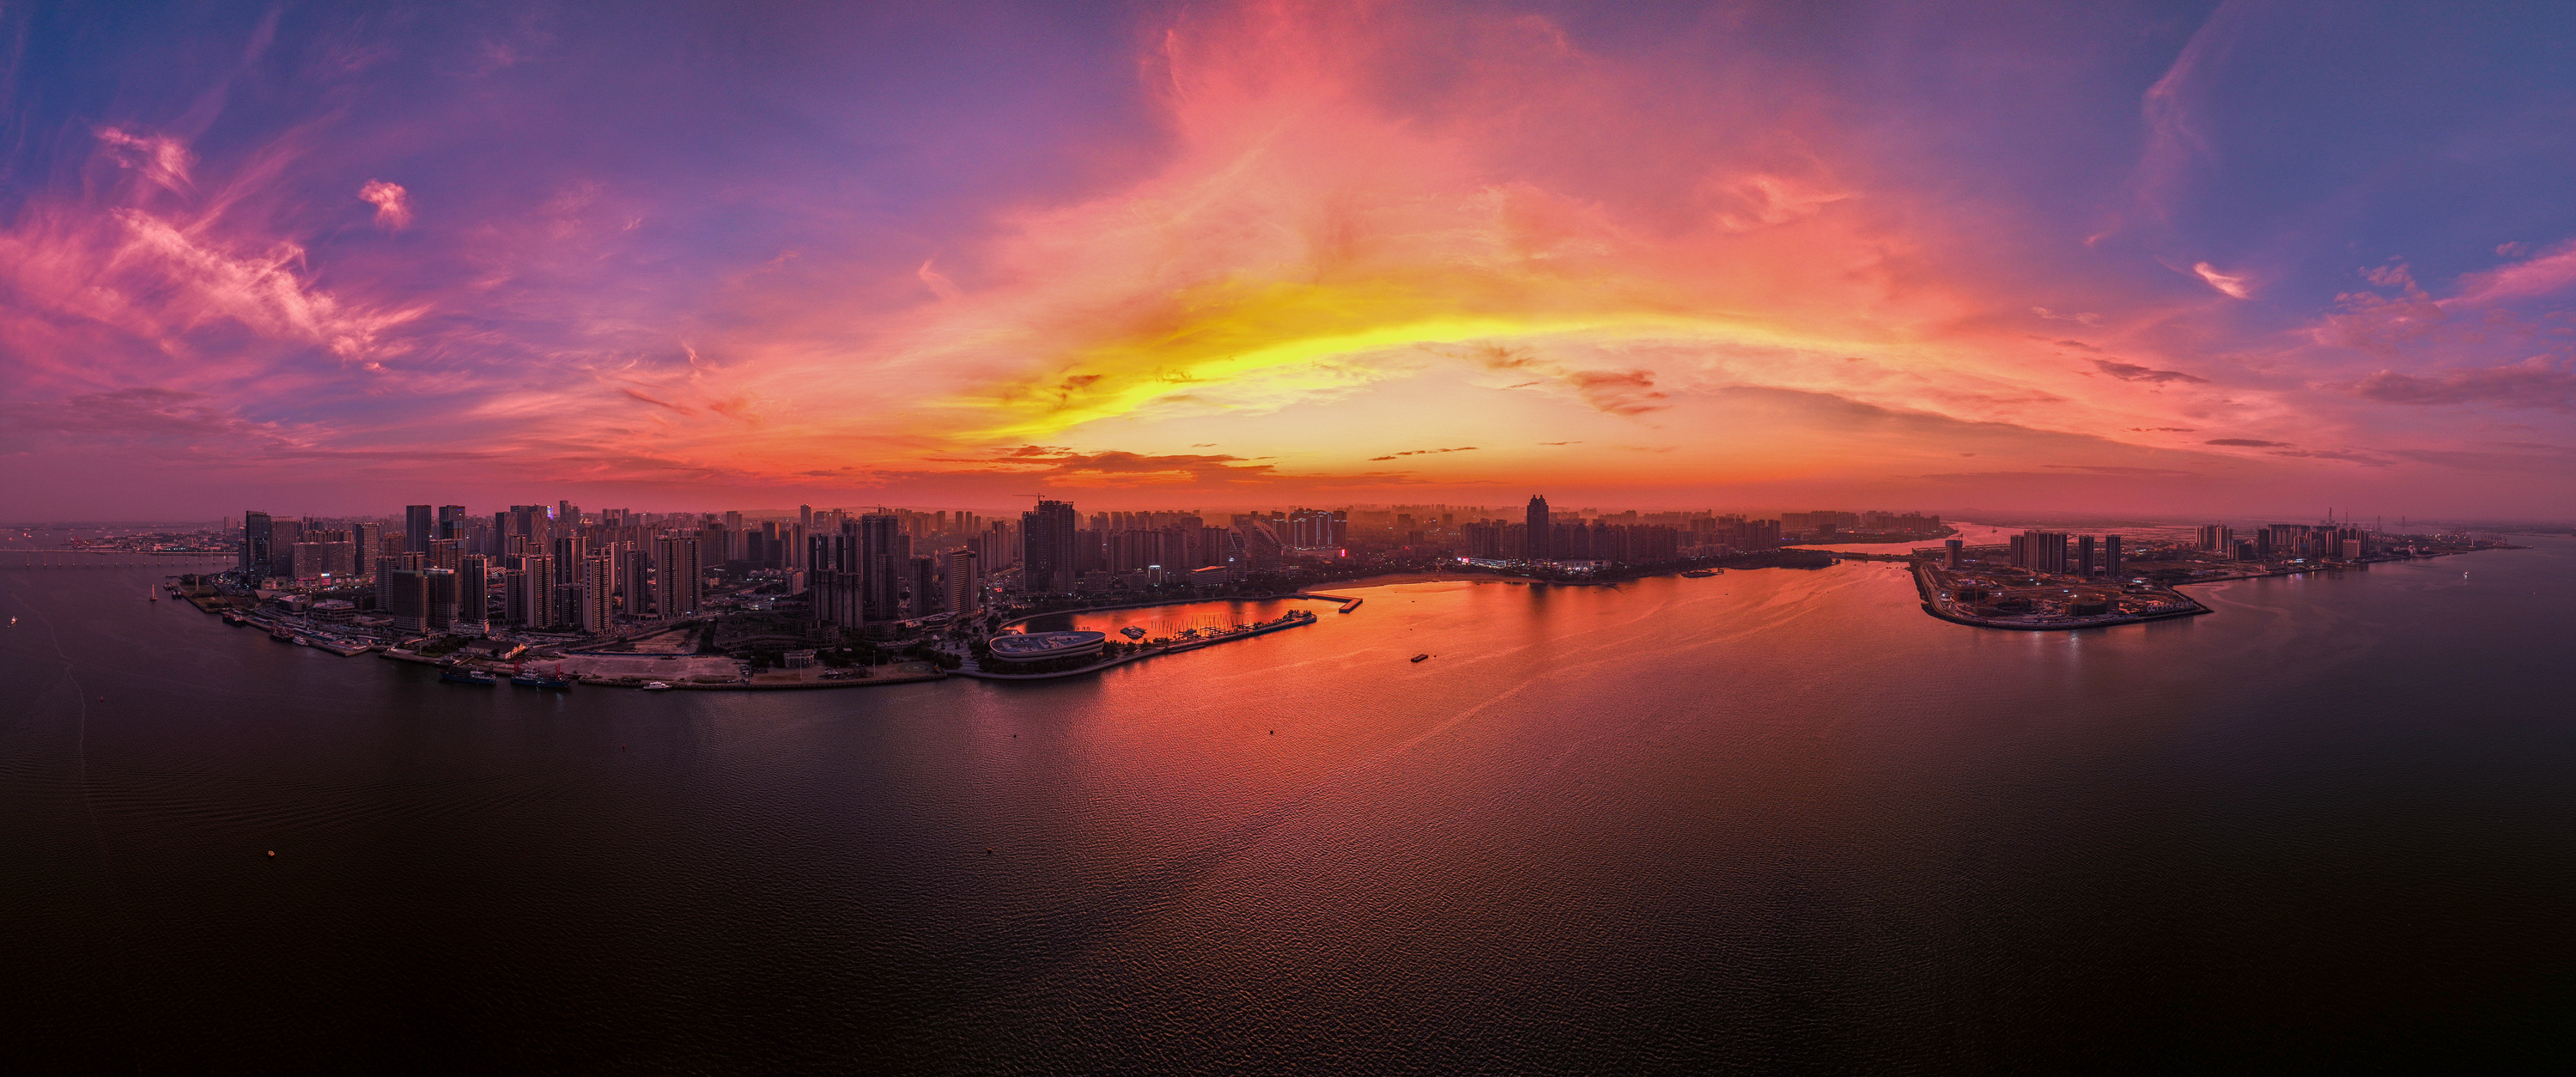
(1234, 255)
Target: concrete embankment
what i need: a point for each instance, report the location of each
(1140, 656)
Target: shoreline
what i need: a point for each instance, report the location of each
(1923, 590)
(1931, 607)
(1178, 648)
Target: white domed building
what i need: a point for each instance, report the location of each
(1046, 646)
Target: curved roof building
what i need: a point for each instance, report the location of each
(1039, 646)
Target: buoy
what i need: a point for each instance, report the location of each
(272, 852)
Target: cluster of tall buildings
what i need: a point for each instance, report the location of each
(558, 568)
(863, 571)
(546, 569)
(1543, 535)
(2290, 542)
(1824, 524)
(2057, 553)
(1060, 554)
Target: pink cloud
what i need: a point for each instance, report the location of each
(2538, 382)
(392, 202)
(2236, 285)
(160, 158)
(2547, 273)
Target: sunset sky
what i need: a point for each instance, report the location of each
(2169, 258)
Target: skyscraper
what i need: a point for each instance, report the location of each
(403, 594)
(256, 532)
(569, 554)
(443, 598)
(451, 522)
(885, 554)
(2111, 555)
(368, 539)
(283, 534)
(637, 585)
(532, 604)
(473, 605)
(1047, 547)
(598, 581)
(1254, 547)
(927, 596)
(1539, 546)
(515, 609)
(417, 525)
(832, 589)
(2041, 551)
(965, 591)
(527, 521)
(676, 576)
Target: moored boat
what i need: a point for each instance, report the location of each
(1420, 657)
(467, 676)
(540, 680)
(656, 686)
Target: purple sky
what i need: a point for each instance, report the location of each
(2182, 259)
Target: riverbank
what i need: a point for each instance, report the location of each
(1176, 648)
(1291, 596)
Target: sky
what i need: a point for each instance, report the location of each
(2187, 259)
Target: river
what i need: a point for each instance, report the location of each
(1773, 819)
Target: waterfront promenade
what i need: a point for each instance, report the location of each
(1294, 619)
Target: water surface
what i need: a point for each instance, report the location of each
(1767, 820)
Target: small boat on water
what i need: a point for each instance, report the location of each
(1132, 632)
(1420, 657)
(281, 635)
(1701, 574)
(467, 676)
(657, 686)
(540, 680)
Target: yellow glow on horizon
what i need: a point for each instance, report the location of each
(1231, 334)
